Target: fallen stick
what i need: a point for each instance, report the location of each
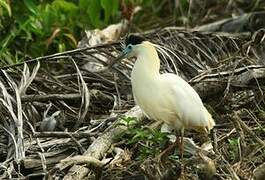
(99, 147)
(243, 23)
(248, 130)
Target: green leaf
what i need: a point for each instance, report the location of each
(115, 7)
(107, 6)
(128, 121)
(61, 47)
(93, 11)
(233, 141)
(71, 38)
(184, 4)
(47, 18)
(65, 7)
(83, 4)
(5, 5)
(31, 6)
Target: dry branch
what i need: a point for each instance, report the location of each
(243, 23)
(212, 84)
(248, 130)
(36, 164)
(60, 134)
(101, 145)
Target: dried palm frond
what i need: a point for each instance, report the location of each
(226, 68)
(85, 98)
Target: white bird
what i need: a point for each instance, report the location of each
(164, 97)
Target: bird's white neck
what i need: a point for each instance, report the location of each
(147, 64)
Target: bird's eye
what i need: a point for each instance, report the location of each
(129, 47)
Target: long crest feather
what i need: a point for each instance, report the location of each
(163, 51)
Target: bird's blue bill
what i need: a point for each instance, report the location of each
(120, 57)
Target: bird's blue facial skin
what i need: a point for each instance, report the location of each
(125, 54)
(127, 50)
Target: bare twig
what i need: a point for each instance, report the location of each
(55, 134)
(248, 130)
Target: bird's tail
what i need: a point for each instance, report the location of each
(210, 123)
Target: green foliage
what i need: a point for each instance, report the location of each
(128, 121)
(94, 12)
(110, 8)
(233, 148)
(4, 6)
(31, 28)
(149, 142)
(184, 4)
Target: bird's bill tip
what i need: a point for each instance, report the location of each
(120, 57)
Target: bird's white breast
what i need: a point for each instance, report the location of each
(152, 98)
(167, 97)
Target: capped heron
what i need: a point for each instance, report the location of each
(164, 97)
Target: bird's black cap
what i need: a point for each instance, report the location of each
(133, 40)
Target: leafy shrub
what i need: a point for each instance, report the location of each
(147, 142)
(32, 28)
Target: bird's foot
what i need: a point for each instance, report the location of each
(163, 156)
(161, 159)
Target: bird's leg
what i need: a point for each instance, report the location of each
(165, 153)
(182, 144)
(181, 153)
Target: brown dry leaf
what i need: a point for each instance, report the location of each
(51, 38)
(111, 33)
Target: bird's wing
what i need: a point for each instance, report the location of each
(186, 102)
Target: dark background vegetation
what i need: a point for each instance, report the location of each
(32, 28)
